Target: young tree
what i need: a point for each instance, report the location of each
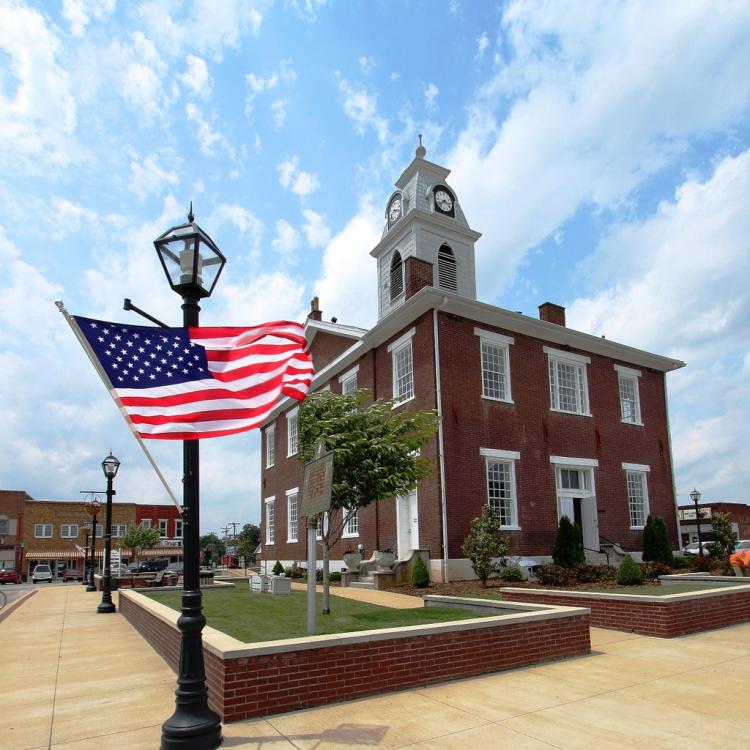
(568, 551)
(215, 547)
(375, 454)
(137, 539)
(484, 544)
(656, 545)
(247, 542)
(723, 537)
(649, 541)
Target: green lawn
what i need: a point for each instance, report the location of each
(261, 617)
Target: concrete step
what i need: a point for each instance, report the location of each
(362, 585)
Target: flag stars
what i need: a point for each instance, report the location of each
(101, 338)
(117, 337)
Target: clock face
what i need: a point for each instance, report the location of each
(443, 201)
(394, 212)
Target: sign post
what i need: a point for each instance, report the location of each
(316, 499)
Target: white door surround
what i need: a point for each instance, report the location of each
(407, 524)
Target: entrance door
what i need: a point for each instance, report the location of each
(582, 510)
(407, 522)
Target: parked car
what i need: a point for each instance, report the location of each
(9, 575)
(694, 547)
(73, 574)
(175, 567)
(742, 544)
(41, 573)
(149, 566)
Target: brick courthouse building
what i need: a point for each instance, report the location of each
(538, 420)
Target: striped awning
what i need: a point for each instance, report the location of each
(74, 554)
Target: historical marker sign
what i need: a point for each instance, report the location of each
(316, 484)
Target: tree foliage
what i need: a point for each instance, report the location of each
(568, 551)
(138, 538)
(656, 545)
(723, 537)
(485, 545)
(247, 541)
(629, 572)
(212, 547)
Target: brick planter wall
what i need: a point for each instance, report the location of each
(249, 681)
(662, 616)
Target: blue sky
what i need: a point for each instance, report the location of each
(602, 148)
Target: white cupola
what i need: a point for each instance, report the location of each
(426, 239)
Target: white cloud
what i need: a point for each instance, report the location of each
(431, 92)
(482, 44)
(286, 240)
(366, 64)
(148, 177)
(299, 182)
(308, 9)
(246, 222)
(196, 76)
(265, 296)
(348, 285)
(208, 138)
(278, 111)
(257, 84)
(360, 105)
(315, 229)
(38, 113)
(603, 100)
(80, 13)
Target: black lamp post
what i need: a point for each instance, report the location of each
(92, 508)
(110, 465)
(695, 496)
(85, 579)
(192, 264)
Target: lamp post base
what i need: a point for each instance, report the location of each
(191, 731)
(91, 587)
(106, 608)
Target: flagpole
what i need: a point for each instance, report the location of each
(111, 390)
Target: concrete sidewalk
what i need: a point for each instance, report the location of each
(76, 679)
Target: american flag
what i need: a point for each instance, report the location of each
(190, 383)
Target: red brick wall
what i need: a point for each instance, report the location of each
(528, 426)
(664, 619)
(327, 346)
(251, 686)
(418, 275)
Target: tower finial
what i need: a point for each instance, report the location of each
(191, 218)
(421, 150)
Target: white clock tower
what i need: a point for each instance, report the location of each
(426, 233)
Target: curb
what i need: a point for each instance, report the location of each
(7, 611)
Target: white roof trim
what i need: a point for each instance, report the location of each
(349, 374)
(628, 371)
(636, 467)
(572, 461)
(352, 332)
(497, 338)
(560, 354)
(495, 453)
(399, 342)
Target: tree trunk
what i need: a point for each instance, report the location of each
(326, 593)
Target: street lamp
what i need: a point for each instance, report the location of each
(110, 465)
(695, 496)
(92, 508)
(192, 263)
(85, 578)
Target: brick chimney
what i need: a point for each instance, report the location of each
(315, 311)
(552, 313)
(418, 274)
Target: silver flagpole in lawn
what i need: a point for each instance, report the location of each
(111, 390)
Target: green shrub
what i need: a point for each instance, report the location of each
(555, 575)
(681, 562)
(629, 574)
(278, 569)
(567, 551)
(484, 544)
(511, 573)
(334, 576)
(420, 576)
(723, 537)
(652, 570)
(595, 573)
(703, 564)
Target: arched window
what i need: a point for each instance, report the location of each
(397, 276)
(447, 269)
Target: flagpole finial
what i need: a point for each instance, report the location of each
(59, 304)
(421, 150)
(191, 218)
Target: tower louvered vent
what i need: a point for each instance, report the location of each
(447, 277)
(397, 276)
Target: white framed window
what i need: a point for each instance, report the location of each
(119, 530)
(270, 446)
(568, 385)
(43, 530)
(630, 402)
(500, 468)
(163, 528)
(349, 381)
(291, 432)
(178, 529)
(292, 514)
(635, 475)
(4, 526)
(495, 357)
(270, 530)
(351, 527)
(403, 367)
(145, 523)
(319, 527)
(69, 530)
